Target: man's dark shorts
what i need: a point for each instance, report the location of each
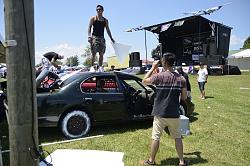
(201, 85)
(98, 45)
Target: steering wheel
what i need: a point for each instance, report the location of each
(134, 95)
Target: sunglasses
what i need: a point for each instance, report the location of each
(98, 9)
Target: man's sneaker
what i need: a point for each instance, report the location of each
(101, 69)
(92, 69)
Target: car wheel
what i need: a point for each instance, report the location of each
(75, 124)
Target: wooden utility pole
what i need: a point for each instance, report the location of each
(23, 132)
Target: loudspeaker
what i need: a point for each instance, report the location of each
(134, 56)
(233, 70)
(212, 49)
(135, 63)
(204, 49)
(215, 71)
(214, 60)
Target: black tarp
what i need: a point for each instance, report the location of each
(194, 39)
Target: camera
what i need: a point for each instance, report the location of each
(158, 58)
(157, 54)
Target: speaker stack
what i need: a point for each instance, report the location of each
(232, 70)
(212, 49)
(204, 49)
(134, 59)
(214, 60)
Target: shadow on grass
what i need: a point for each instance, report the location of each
(49, 134)
(54, 134)
(209, 97)
(193, 117)
(192, 158)
(122, 127)
(195, 113)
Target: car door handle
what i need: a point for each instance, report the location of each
(87, 98)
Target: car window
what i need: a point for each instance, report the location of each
(133, 83)
(89, 85)
(69, 80)
(149, 87)
(100, 84)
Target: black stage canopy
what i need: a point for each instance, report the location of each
(194, 39)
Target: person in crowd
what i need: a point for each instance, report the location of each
(202, 79)
(49, 59)
(94, 68)
(185, 75)
(170, 88)
(112, 68)
(101, 86)
(96, 38)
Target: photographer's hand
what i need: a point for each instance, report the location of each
(146, 79)
(155, 64)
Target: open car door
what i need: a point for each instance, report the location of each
(138, 97)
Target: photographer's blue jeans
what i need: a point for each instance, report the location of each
(41, 77)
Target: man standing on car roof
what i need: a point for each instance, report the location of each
(170, 88)
(49, 59)
(96, 39)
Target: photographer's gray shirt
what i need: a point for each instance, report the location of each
(168, 89)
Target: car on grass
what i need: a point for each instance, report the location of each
(85, 99)
(89, 98)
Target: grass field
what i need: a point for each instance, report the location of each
(220, 130)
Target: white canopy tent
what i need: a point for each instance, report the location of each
(241, 54)
(240, 59)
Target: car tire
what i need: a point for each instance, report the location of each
(75, 124)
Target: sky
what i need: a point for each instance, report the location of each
(61, 25)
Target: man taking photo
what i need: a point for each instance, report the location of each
(170, 88)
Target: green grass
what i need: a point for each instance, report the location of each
(220, 130)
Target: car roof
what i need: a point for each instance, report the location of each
(81, 75)
(111, 73)
(127, 75)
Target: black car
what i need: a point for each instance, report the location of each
(86, 99)
(89, 98)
